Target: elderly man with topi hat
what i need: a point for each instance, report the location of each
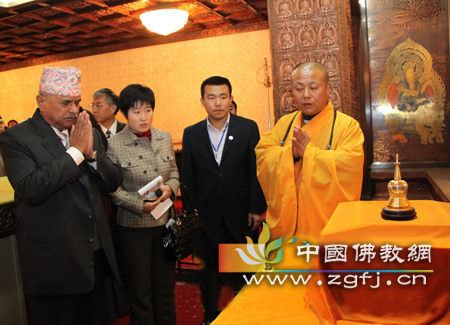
(59, 171)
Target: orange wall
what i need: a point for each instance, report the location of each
(173, 71)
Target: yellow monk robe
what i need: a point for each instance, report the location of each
(302, 196)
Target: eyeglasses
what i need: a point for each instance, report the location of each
(92, 106)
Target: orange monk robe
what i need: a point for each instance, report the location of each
(302, 196)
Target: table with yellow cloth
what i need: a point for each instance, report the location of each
(6, 191)
(361, 223)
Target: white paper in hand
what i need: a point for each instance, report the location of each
(149, 191)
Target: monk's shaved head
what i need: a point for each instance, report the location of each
(308, 66)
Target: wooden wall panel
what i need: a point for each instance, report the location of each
(312, 30)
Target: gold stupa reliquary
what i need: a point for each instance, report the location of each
(398, 206)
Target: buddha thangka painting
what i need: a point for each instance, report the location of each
(411, 95)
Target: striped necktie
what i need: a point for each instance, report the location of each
(108, 134)
(63, 137)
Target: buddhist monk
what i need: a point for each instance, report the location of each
(311, 161)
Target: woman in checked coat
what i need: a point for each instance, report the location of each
(144, 153)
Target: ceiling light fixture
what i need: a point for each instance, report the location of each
(12, 3)
(164, 21)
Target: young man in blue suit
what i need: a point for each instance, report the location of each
(219, 171)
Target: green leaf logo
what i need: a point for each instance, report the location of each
(261, 254)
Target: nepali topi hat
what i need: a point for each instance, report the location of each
(65, 81)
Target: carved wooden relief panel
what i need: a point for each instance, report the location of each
(311, 30)
(409, 79)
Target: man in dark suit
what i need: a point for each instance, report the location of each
(219, 171)
(105, 105)
(63, 239)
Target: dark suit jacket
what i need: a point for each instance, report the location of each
(223, 195)
(120, 126)
(57, 203)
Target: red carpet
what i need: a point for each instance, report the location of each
(189, 308)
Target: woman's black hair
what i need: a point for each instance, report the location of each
(135, 95)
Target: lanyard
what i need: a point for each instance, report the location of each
(220, 142)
